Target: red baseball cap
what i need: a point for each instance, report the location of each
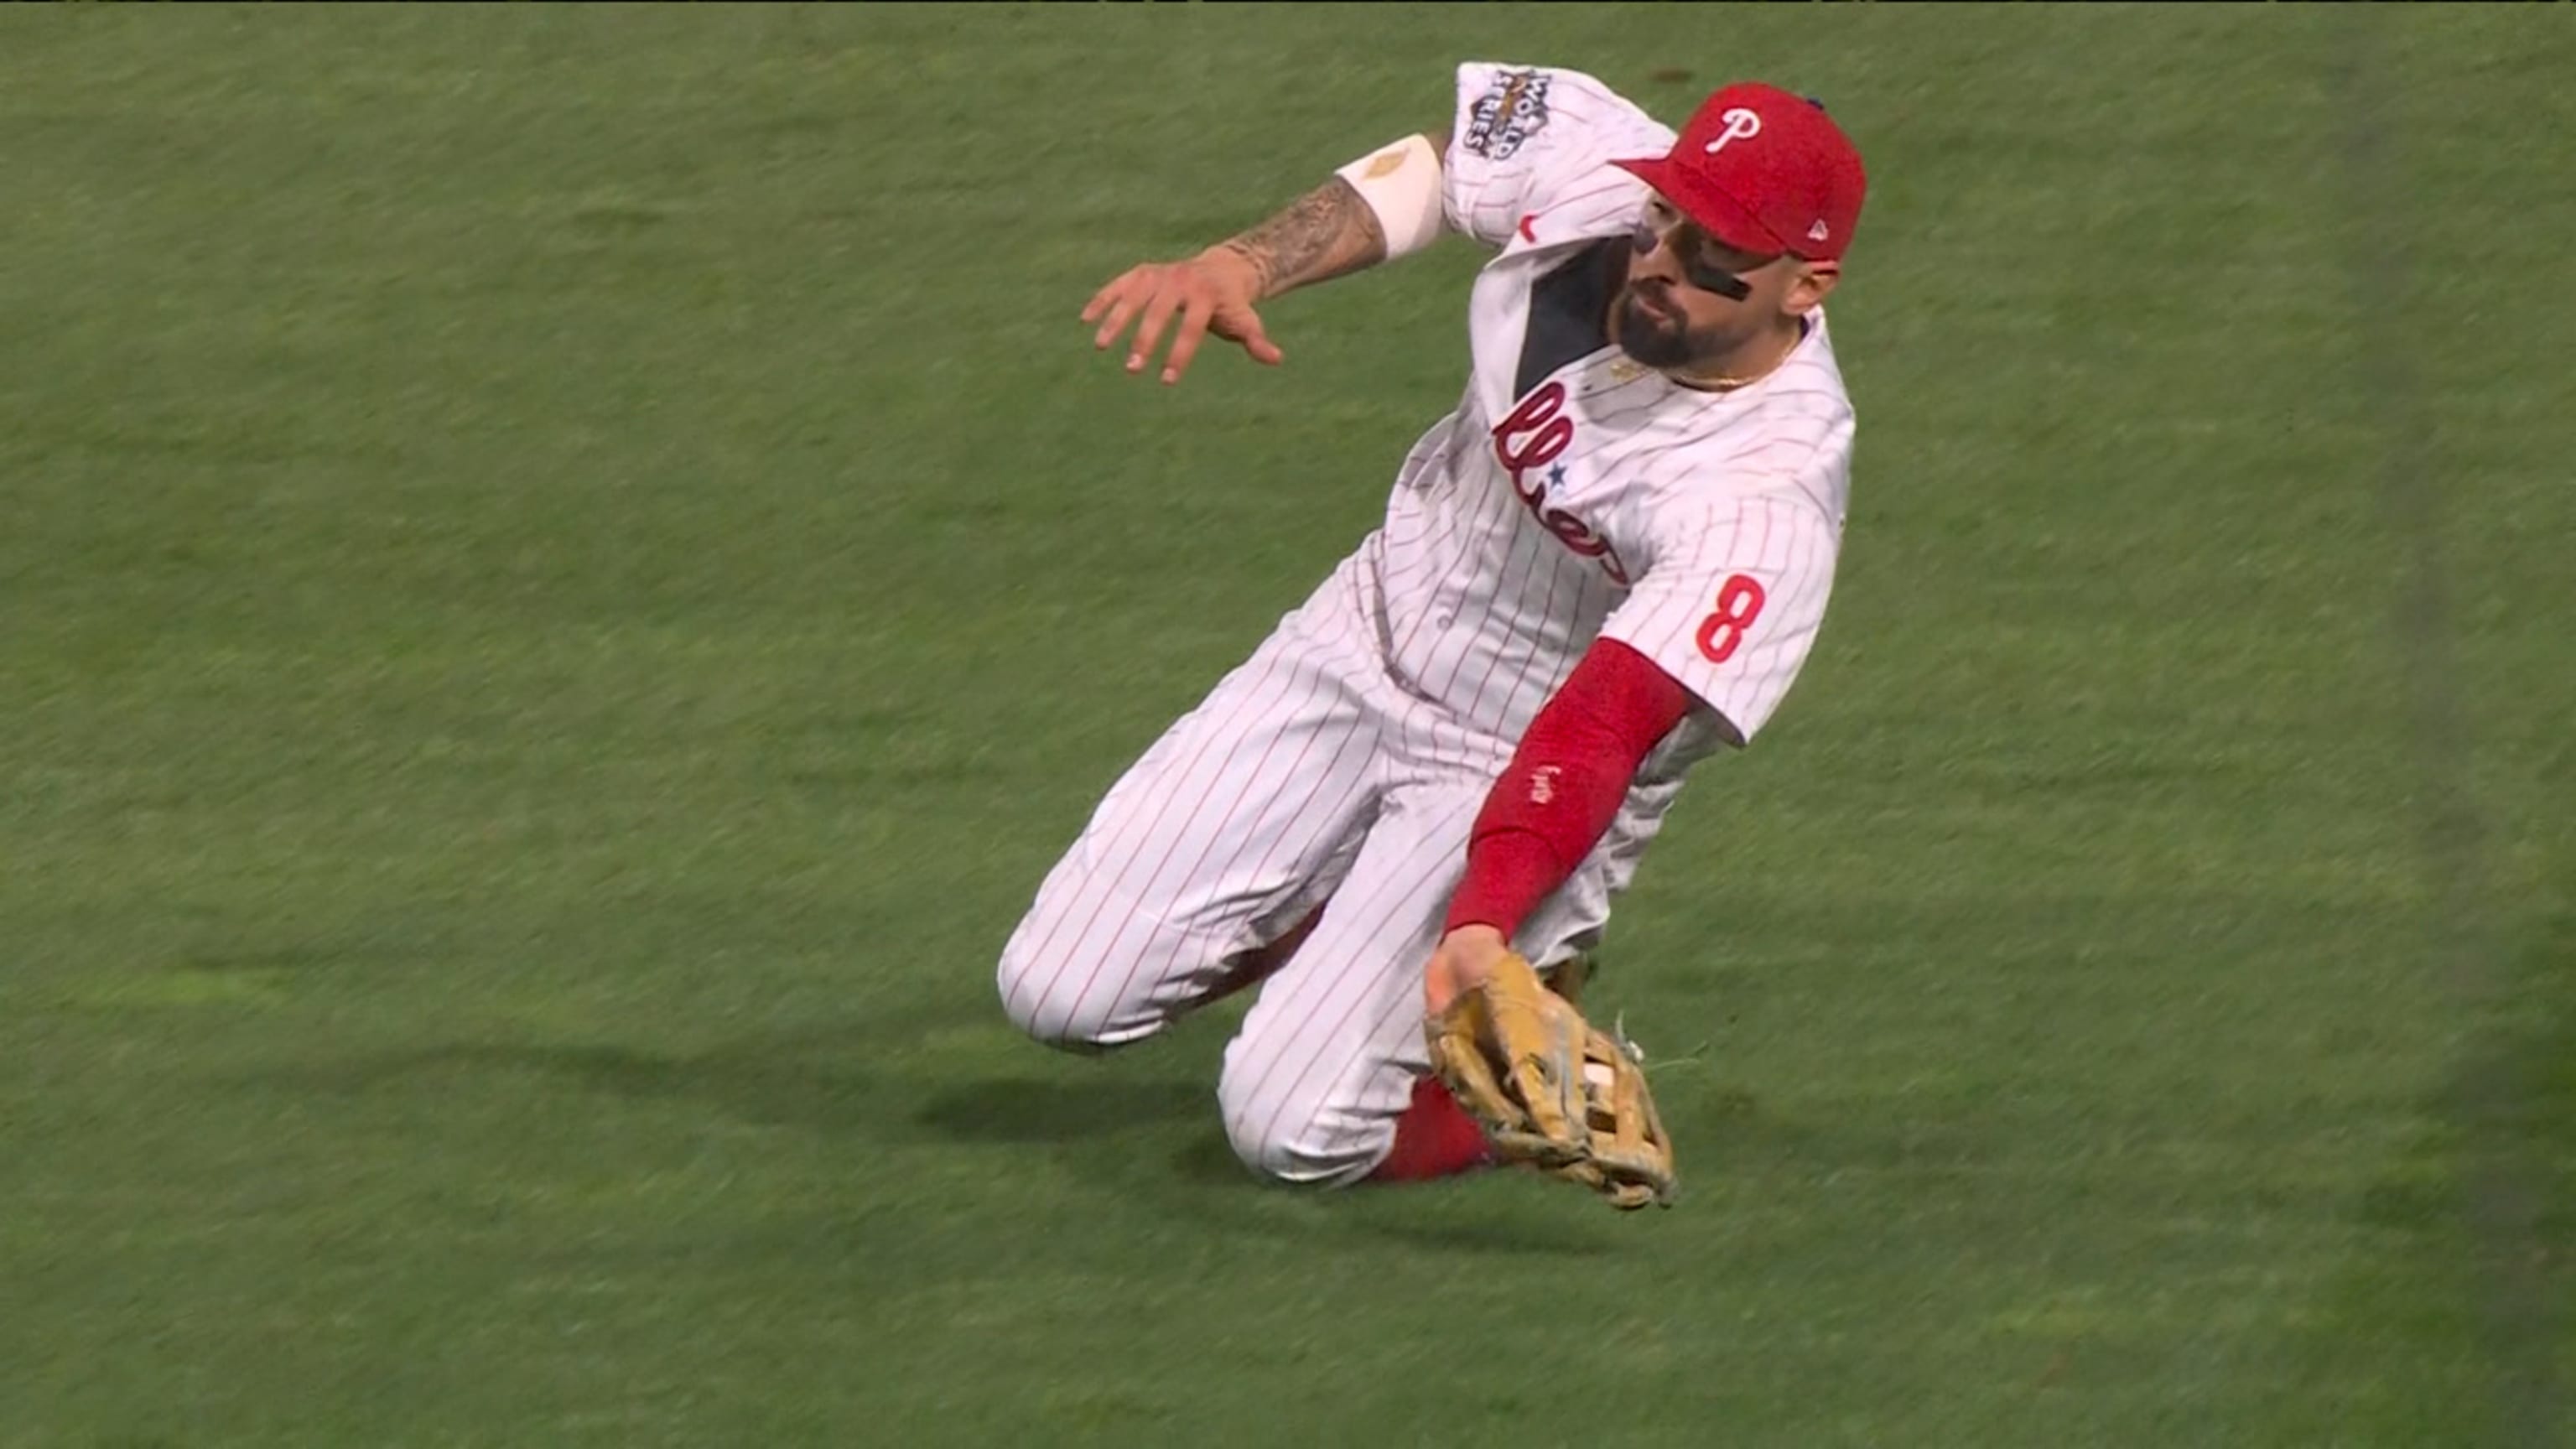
(1764, 171)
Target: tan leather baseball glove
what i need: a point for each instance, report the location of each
(1553, 1091)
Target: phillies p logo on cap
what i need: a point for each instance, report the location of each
(1742, 124)
(1763, 171)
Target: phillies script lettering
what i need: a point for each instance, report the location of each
(1535, 435)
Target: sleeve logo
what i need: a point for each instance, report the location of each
(1512, 109)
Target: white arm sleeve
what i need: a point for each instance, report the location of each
(1401, 184)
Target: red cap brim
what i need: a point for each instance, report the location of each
(1719, 214)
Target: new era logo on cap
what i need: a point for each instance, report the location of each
(1765, 172)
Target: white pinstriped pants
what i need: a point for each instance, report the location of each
(1306, 774)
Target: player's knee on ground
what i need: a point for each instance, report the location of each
(1315, 1144)
(1077, 1004)
(1041, 1000)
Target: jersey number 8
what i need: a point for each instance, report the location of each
(1739, 603)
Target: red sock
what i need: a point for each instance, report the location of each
(1434, 1138)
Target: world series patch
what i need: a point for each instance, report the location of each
(1510, 111)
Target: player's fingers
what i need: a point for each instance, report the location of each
(1122, 308)
(1258, 343)
(1240, 324)
(1158, 315)
(1101, 300)
(1195, 315)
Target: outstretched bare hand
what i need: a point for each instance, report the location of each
(1212, 292)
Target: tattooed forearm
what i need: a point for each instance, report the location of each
(1328, 232)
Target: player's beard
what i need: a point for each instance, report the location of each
(1662, 338)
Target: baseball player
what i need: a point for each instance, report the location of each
(1606, 563)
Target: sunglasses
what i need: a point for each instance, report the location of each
(1664, 224)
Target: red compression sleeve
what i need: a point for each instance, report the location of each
(1564, 784)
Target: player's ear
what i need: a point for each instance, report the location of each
(1814, 282)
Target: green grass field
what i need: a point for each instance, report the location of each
(564, 573)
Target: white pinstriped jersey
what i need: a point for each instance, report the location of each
(1574, 494)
